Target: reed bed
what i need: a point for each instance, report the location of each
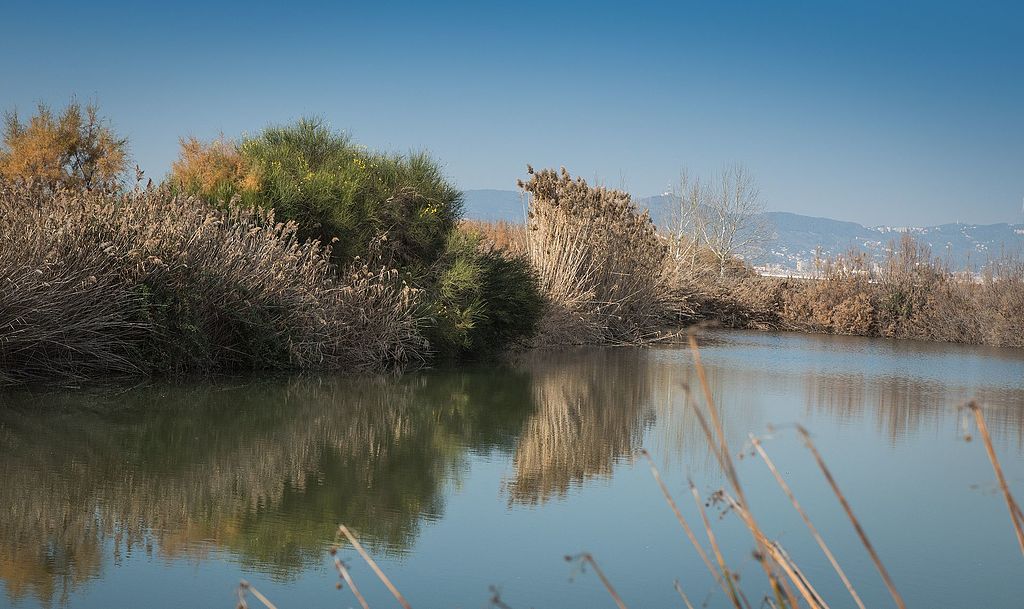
(601, 263)
(97, 283)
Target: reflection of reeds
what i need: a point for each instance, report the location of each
(590, 412)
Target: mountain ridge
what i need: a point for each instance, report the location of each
(794, 238)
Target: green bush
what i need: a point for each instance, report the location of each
(333, 188)
(484, 300)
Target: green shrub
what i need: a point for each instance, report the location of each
(333, 189)
(484, 300)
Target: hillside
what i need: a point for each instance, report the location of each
(794, 237)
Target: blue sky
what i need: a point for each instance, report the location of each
(896, 113)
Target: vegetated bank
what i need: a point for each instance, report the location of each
(294, 249)
(297, 249)
(912, 294)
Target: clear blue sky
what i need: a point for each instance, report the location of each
(896, 113)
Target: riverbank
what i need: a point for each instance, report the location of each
(296, 249)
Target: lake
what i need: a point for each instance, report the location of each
(168, 494)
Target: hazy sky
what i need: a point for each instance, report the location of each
(900, 113)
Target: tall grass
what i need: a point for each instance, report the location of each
(99, 283)
(601, 263)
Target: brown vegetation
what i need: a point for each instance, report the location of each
(95, 283)
(911, 295)
(74, 149)
(601, 264)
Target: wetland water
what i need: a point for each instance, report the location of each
(167, 495)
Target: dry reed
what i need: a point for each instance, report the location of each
(853, 519)
(1016, 515)
(807, 521)
(245, 587)
(586, 558)
(96, 284)
(373, 565)
(600, 263)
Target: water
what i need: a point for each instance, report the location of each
(168, 495)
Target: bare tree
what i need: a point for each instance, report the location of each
(721, 214)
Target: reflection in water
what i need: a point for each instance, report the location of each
(590, 411)
(262, 472)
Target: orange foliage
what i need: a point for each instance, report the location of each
(74, 149)
(216, 168)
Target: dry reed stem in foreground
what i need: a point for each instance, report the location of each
(814, 531)
(726, 574)
(345, 575)
(373, 565)
(782, 592)
(586, 557)
(779, 557)
(244, 587)
(682, 521)
(853, 519)
(682, 595)
(1015, 512)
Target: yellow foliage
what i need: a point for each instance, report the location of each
(217, 167)
(73, 149)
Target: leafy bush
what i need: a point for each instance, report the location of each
(485, 300)
(73, 149)
(601, 264)
(333, 189)
(93, 283)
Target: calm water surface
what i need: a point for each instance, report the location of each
(168, 495)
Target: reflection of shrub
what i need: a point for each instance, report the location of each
(96, 283)
(601, 264)
(485, 300)
(332, 188)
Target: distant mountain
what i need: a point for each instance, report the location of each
(794, 238)
(494, 205)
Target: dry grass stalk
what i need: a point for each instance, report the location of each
(682, 595)
(726, 574)
(810, 526)
(588, 558)
(853, 519)
(682, 522)
(1016, 516)
(779, 557)
(243, 588)
(720, 448)
(373, 565)
(345, 575)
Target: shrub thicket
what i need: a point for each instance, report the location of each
(94, 283)
(601, 264)
(333, 189)
(484, 299)
(477, 301)
(910, 295)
